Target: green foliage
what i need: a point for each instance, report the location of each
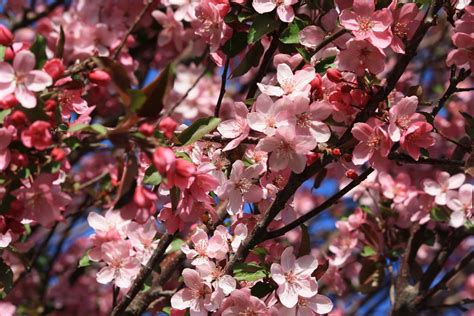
(261, 26)
(249, 272)
(198, 129)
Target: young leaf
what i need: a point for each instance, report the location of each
(155, 93)
(305, 244)
(261, 289)
(85, 261)
(60, 45)
(368, 251)
(39, 50)
(152, 176)
(252, 59)
(291, 34)
(249, 272)
(118, 74)
(235, 44)
(198, 129)
(261, 26)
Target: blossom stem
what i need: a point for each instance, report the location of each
(222, 91)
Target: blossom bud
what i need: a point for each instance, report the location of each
(19, 159)
(18, 119)
(311, 158)
(351, 174)
(9, 54)
(99, 77)
(167, 126)
(50, 105)
(185, 168)
(334, 75)
(146, 129)
(54, 67)
(316, 83)
(336, 152)
(6, 36)
(8, 102)
(163, 159)
(58, 154)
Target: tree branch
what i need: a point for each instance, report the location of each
(222, 91)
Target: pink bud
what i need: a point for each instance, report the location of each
(54, 67)
(6, 37)
(334, 75)
(8, 102)
(99, 77)
(163, 159)
(185, 168)
(146, 129)
(9, 54)
(316, 83)
(167, 126)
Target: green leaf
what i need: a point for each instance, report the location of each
(99, 129)
(252, 59)
(368, 251)
(94, 128)
(304, 53)
(244, 16)
(261, 26)
(249, 272)
(152, 176)
(236, 44)
(4, 114)
(438, 215)
(291, 34)
(3, 49)
(137, 99)
(198, 129)
(175, 245)
(261, 289)
(156, 92)
(325, 64)
(39, 50)
(261, 252)
(60, 45)
(85, 261)
(366, 209)
(6, 279)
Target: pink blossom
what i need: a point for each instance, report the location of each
(240, 234)
(308, 118)
(172, 31)
(70, 100)
(210, 22)
(361, 55)
(284, 8)
(373, 146)
(267, 115)
(417, 136)
(242, 186)
(316, 305)
(142, 239)
(196, 295)
(461, 206)
(293, 277)
(110, 227)
(402, 115)
(43, 201)
(289, 83)
(366, 23)
(462, 56)
(236, 129)
(287, 149)
(443, 186)
(395, 189)
(37, 135)
(406, 19)
(213, 274)
(121, 265)
(242, 303)
(142, 206)
(204, 248)
(22, 80)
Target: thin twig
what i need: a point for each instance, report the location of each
(427, 161)
(452, 88)
(132, 27)
(222, 92)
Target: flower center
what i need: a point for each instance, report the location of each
(287, 85)
(365, 23)
(304, 119)
(403, 122)
(373, 141)
(244, 185)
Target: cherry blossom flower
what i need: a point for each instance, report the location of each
(242, 186)
(284, 8)
(210, 22)
(172, 29)
(289, 83)
(242, 303)
(361, 55)
(236, 129)
(405, 22)
(366, 23)
(196, 296)
(213, 274)
(37, 135)
(443, 186)
(417, 135)
(373, 146)
(461, 206)
(121, 266)
(293, 277)
(267, 115)
(22, 80)
(43, 201)
(287, 149)
(6, 135)
(395, 189)
(401, 115)
(142, 239)
(462, 56)
(316, 305)
(205, 248)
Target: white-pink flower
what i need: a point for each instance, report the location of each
(242, 186)
(287, 149)
(205, 248)
(267, 115)
(293, 277)
(444, 185)
(196, 296)
(22, 80)
(289, 83)
(142, 238)
(361, 55)
(211, 273)
(374, 144)
(236, 129)
(401, 115)
(461, 204)
(284, 8)
(242, 303)
(316, 305)
(122, 266)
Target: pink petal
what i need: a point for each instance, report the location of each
(263, 6)
(7, 73)
(285, 13)
(25, 97)
(24, 62)
(271, 90)
(38, 80)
